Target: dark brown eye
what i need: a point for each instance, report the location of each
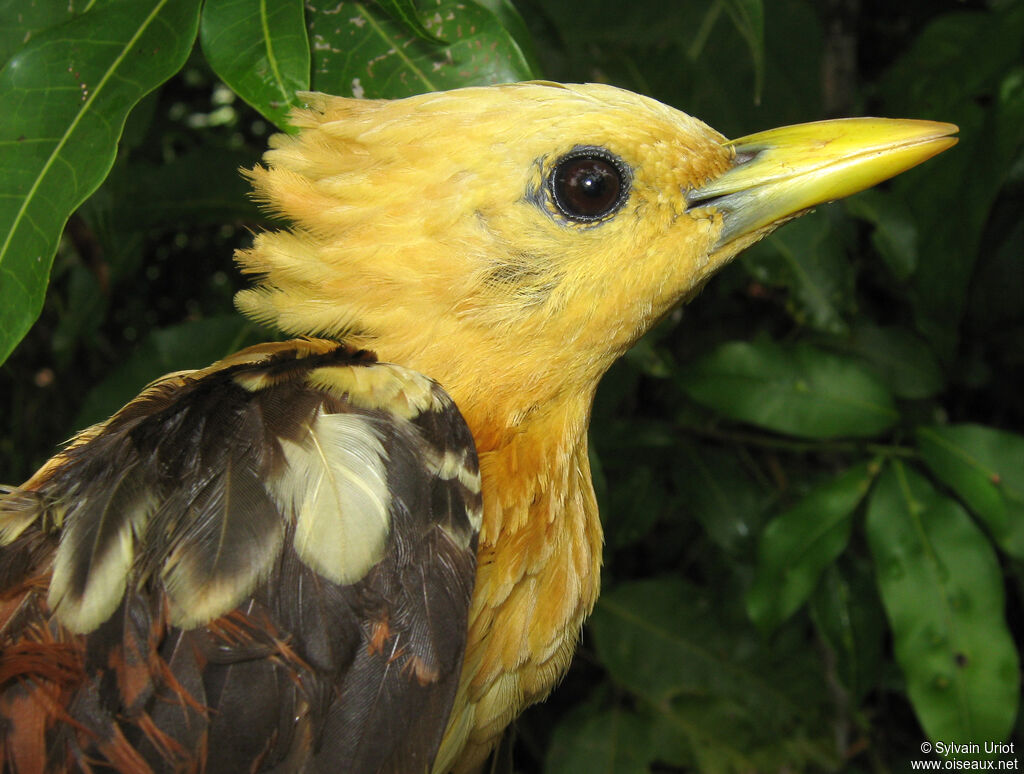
(588, 185)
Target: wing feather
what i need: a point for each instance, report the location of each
(265, 565)
(97, 547)
(335, 485)
(226, 546)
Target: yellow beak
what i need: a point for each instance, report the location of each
(780, 173)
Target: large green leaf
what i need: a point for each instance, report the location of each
(998, 287)
(800, 543)
(895, 230)
(943, 593)
(792, 389)
(406, 13)
(850, 622)
(715, 487)
(806, 258)
(716, 85)
(20, 21)
(985, 467)
(688, 53)
(900, 358)
(685, 734)
(748, 16)
(661, 638)
(359, 51)
(509, 17)
(635, 503)
(260, 49)
(720, 698)
(614, 740)
(713, 735)
(63, 102)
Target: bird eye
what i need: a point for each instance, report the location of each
(589, 184)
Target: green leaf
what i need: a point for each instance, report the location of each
(635, 504)
(359, 51)
(714, 85)
(613, 740)
(748, 16)
(800, 543)
(985, 467)
(950, 246)
(716, 489)
(404, 12)
(662, 638)
(20, 21)
(902, 360)
(704, 734)
(713, 735)
(792, 389)
(850, 621)
(895, 230)
(260, 49)
(648, 358)
(509, 18)
(943, 593)
(63, 102)
(998, 286)
(931, 74)
(718, 695)
(807, 259)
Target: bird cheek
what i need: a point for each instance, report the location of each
(706, 228)
(682, 257)
(697, 232)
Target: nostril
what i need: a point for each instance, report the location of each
(744, 157)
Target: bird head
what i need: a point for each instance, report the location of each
(512, 241)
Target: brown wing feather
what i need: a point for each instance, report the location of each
(166, 604)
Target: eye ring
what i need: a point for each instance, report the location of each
(588, 184)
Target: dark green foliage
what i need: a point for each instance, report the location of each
(812, 478)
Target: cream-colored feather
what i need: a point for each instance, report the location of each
(19, 509)
(88, 548)
(336, 488)
(103, 590)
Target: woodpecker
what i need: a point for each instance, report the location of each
(369, 548)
